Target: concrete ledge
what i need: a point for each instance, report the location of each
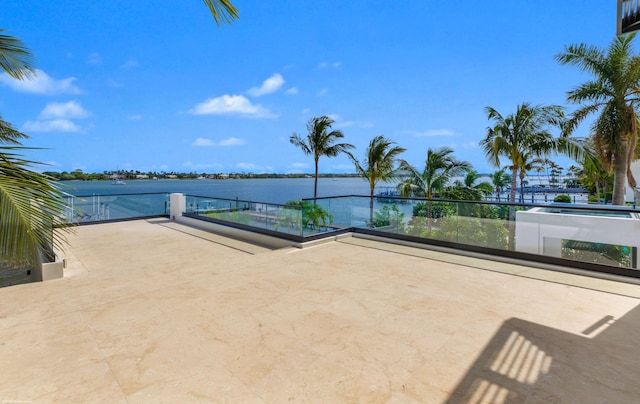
(245, 235)
(47, 271)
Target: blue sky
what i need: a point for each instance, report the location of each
(157, 86)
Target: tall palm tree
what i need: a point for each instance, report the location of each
(524, 134)
(29, 201)
(378, 165)
(613, 94)
(320, 142)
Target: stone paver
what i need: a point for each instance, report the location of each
(150, 312)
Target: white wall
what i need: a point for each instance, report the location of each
(540, 232)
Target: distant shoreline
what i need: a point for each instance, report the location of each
(68, 177)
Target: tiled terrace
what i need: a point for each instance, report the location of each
(151, 311)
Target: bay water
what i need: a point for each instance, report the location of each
(269, 190)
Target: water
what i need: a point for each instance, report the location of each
(270, 190)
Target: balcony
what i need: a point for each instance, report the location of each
(153, 310)
(628, 16)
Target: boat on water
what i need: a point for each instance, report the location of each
(117, 178)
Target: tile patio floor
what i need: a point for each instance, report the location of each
(152, 311)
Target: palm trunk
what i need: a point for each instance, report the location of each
(429, 215)
(315, 184)
(512, 210)
(514, 185)
(371, 209)
(621, 164)
(522, 174)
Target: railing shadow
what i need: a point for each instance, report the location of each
(530, 362)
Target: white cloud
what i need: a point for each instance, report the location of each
(340, 123)
(324, 65)
(430, 132)
(465, 145)
(232, 141)
(53, 125)
(41, 83)
(94, 59)
(292, 91)
(65, 110)
(231, 105)
(202, 142)
(358, 124)
(270, 85)
(57, 117)
(136, 117)
(323, 92)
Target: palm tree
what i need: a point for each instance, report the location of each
(524, 135)
(470, 182)
(499, 180)
(378, 165)
(519, 134)
(528, 162)
(440, 167)
(320, 142)
(29, 202)
(613, 94)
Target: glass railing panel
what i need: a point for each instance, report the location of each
(334, 213)
(597, 234)
(96, 207)
(485, 225)
(433, 219)
(274, 217)
(601, 235)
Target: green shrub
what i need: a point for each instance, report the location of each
(563, 198)
(313, 214)
(438, 209)
(389, 216)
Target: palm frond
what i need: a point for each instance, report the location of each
(15, 58)
(30, 205)
(223, 11)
